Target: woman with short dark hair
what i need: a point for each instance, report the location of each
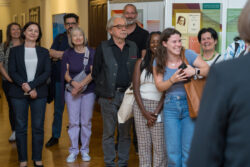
(13, 34)
(208, 39)
(29, 68)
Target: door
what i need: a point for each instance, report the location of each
(97, 22)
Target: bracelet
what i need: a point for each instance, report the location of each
(171, 81)
(29, 91)
(70, 82)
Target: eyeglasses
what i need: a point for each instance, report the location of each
(120, 26)
(128, 13)
(68, 24)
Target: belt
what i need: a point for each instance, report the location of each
(120, 89)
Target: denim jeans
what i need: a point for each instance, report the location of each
(6, 86)
(21, 108)
(58, 111)
(109, 109)
(178, 130)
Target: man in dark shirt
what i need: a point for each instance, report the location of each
(135, 32)
(58, 47)
(112, 72)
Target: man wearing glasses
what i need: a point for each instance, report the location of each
(57, 49)
(112, 72)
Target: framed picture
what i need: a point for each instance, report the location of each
(58, 24)
(34, 14)
(23, 20)
(15, 18)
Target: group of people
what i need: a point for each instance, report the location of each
(78, 74)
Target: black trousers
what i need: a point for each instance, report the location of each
(6, 86)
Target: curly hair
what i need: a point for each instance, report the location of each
(161, 53)
(149, 57)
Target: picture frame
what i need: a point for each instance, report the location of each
(34, 14)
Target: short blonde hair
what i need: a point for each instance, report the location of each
(71, 33)
(244, 23)
(110, 22)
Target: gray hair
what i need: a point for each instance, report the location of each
(131, 5)
(110, 22)
(71, 33)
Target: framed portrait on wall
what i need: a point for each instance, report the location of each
(34, 14)
(58, 24)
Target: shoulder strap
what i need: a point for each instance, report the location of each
(216, 59)
(86, 58)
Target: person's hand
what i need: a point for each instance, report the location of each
(151, 118)
(189, 71)
(178, 76)
(33, 94)
(25, 87)
(74, 92)
(76, 85)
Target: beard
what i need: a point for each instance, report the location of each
(131, 21)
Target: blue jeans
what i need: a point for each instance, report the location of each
(58, 111)
(109, 109)
(21, 108)
(178, 130)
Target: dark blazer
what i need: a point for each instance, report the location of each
(17, 72)
(222, 134)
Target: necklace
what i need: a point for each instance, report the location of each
(174, 64)
(211, 58)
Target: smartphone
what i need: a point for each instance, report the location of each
(182, 66)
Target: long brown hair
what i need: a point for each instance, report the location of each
(8, 35)
(161, 53)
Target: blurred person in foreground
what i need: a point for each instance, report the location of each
(222, 135)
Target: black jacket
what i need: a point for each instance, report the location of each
(222, 134)
(17, 72)
(105, 76)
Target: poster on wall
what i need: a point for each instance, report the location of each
(189, 18)
(182, 22)
(153, 25)
(194, 22)
(232, 22)
(58, 24)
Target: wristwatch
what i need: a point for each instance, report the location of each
(198, 71)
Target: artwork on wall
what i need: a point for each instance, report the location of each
(22, 20)
(34, 14)
(232, 22)
(15, 18)
(58, 24)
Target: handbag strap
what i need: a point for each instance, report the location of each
(85, 58)
(183, 57)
